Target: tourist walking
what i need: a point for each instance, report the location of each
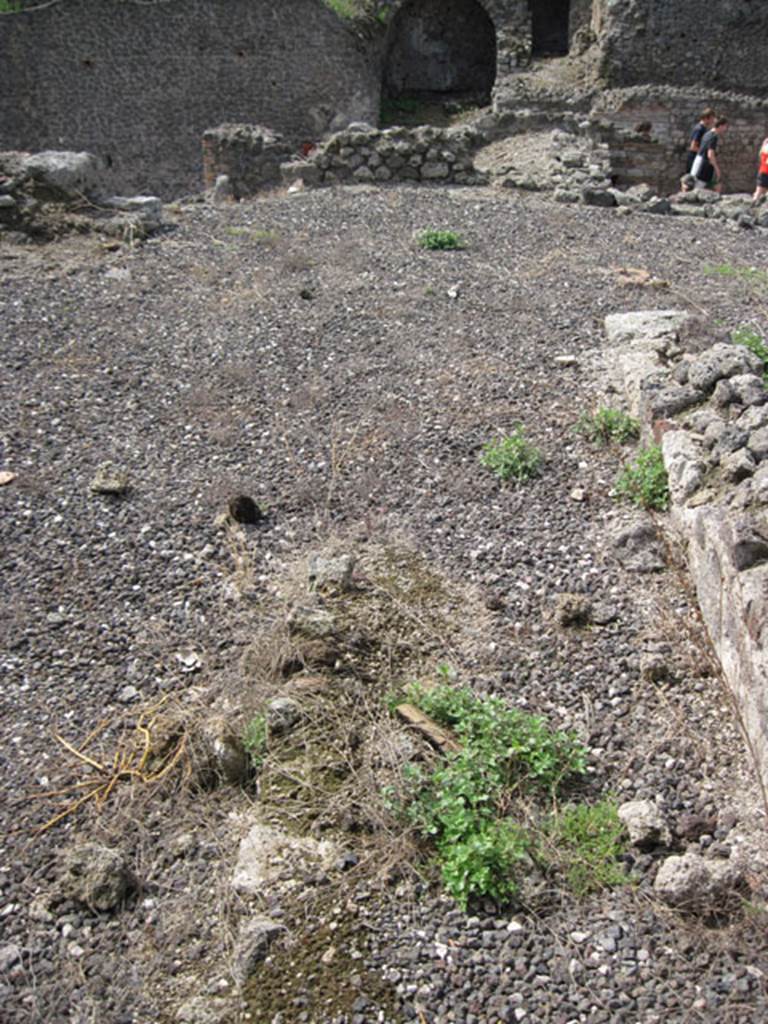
(762, 174)
(706, 167)
(698, 132)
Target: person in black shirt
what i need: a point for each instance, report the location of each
(698, 132)
(706, 168)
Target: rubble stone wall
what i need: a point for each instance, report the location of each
(250, 156)
(717, 44)
(138, 84)
(436, 155)
(710, 407)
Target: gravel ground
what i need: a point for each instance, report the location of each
(303, 350)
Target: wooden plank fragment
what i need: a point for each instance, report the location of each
(441, 738)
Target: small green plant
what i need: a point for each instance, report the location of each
(262, 236)
(344, 8)
(606, 425)
(440, 240)
(363, 9)
(752, 275)
(644, 481)
(586, 841)
(255, 740)
(463, 805)
(752, 339)
(482, 862)
(512, 457)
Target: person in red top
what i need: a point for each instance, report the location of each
(762, 174)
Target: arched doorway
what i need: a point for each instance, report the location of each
(441, 49)
(550, 27)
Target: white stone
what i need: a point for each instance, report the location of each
(644, 823)
(64, 171)
(267, 855)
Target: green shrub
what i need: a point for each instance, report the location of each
(482, 862)
(512, 457)
(752, 339)
(440, 240)
(255, 740)
(505, 737)
(585, 842)
(644, 481)
(463, 804)
(606, 425)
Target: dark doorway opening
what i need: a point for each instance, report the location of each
(441, 49)
(550, 27)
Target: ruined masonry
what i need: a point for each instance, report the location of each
(139, 84)
(708, 407)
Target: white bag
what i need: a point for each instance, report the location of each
(698, 163)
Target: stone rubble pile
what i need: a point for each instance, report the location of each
(44, 195)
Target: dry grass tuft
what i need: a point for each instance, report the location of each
(152, 749)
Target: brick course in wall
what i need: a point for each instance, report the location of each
(658, 157)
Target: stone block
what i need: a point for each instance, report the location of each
(435, 171)
(300, 170)
(64, 175)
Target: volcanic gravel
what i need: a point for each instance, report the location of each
(304, 351)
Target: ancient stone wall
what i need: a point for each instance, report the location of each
(719, 44)
(427, 154)
(139, 83)
(248, 155)
(708, 408)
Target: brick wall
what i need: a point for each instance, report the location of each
(659, 158)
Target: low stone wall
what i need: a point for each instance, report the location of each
(363, 154)
(708, 406)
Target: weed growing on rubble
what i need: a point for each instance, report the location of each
(752, 339)
(350, 9)
(463, 804)
(255, 740)
(512, 457)
(261, 236)
(586, 841)
(644, 481)
(440, 240)
(606, 425)
(751, 275)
